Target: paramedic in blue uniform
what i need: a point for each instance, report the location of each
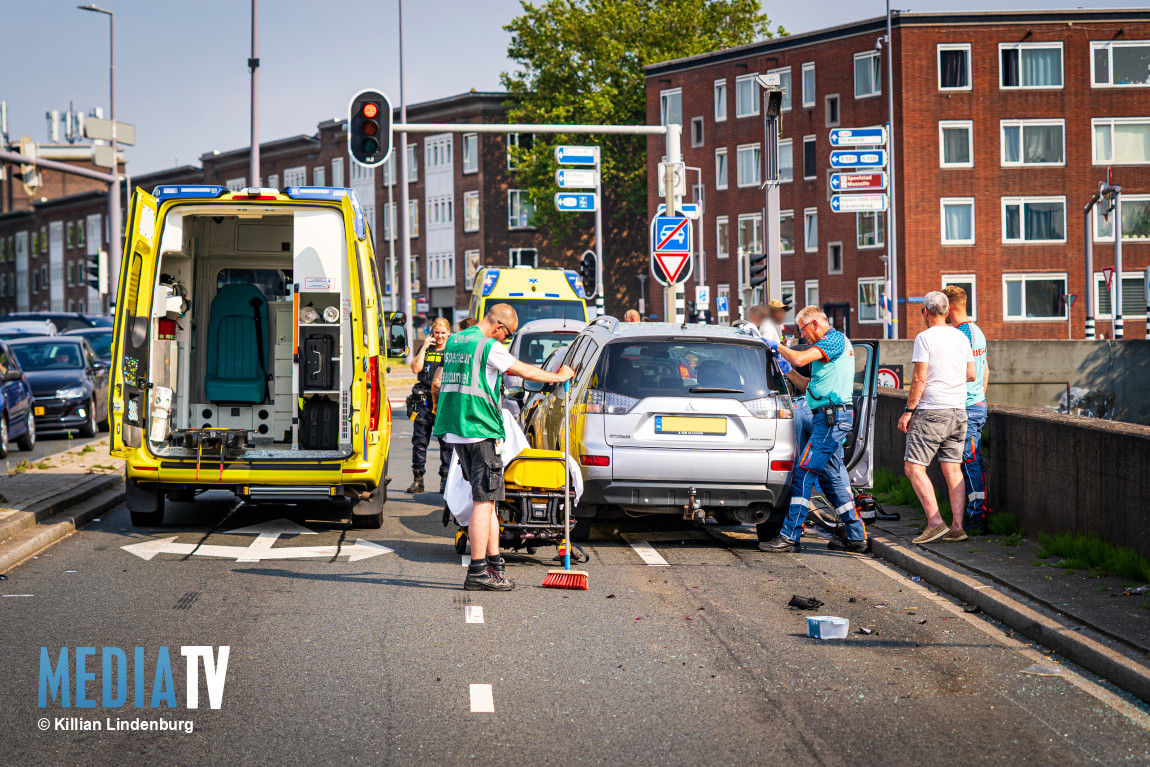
(977, 509)
(829, 396)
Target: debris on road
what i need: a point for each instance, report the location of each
(804, 603)
(972, 609)
(864, 630)
(1042, 669)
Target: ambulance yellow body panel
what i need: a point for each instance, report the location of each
(535, 294)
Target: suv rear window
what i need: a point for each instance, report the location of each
(695, 368)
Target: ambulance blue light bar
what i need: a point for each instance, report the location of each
(332, 193)
(162, 193)
(576, 283)
(490, 277)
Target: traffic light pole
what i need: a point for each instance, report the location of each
(254, 66)
(600, 288)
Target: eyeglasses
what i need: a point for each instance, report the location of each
(804, 327)
(508, 331)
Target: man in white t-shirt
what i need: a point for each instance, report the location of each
(934, 419)
(771, 326)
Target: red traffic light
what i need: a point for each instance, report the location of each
(370, 110)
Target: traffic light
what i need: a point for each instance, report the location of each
(587, 272)
(369, 128)
(96, 264)
(758, 275)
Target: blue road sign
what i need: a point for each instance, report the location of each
(858, 203)
(858, 182)
(721, 304)
(671, 235)
(576, 155)
(575, 201)
(858, 137)
(855, 158)
(688, 209)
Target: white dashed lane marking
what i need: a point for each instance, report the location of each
(640, 542)
(482, 701)
(473, 613)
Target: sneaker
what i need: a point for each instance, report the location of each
(954, 535)
(485, 582)
(846, 544)
(932, 533)
(416, 485)
(780, 544)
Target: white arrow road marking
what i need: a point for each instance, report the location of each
(266, 534)
(473, 613)
(356, 551)
(482, 700)
(640, 542)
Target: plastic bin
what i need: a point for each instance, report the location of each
(827, 627)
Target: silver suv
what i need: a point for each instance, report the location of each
(689, 420)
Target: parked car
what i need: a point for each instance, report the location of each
(100, 338)
(531, 399)
(13, 329)
(681, 419)
(63, 320)
(534, 342)
(16, 419)
(69, 382)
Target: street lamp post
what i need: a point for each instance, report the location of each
(114, 219)
(402, 214)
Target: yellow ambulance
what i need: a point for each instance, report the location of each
(249, 351)
(535, 294)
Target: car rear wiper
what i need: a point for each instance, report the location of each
(713, 390)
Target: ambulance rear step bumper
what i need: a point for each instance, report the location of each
(290, 493)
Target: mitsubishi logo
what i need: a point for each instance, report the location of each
(690, 408)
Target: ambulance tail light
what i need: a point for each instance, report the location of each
(373, 393)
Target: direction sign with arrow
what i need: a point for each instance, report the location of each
(858, 203)
(857, 182)
(579, 202)
(858, 137)
(576, 155)
(575, 178)
(853, 158)
(260, 549)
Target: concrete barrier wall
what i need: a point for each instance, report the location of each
(1036, 374)
(1056, 472)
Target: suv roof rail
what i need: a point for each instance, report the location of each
(606, 321)
(747, 326)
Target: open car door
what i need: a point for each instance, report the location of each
(858, 452)
(131, 337)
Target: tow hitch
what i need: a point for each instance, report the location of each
(693, 510)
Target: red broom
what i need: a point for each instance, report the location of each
(566, 578)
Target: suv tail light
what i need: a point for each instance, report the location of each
(770, 407)
(373, 387)
(598, 401)
(595, 460)
(782, 465)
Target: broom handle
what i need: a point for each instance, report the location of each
(566, 477)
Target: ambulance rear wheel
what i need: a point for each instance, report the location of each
(146, 507)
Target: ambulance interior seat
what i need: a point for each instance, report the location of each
(237, 346)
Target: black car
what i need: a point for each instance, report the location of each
(69, 383)
(100, 338)
(63, 320)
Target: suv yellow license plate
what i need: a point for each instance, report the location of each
(666, 424)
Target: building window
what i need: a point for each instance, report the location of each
(957, 220)
(35, 281)
(1121, 141)
(721, 168)
(1030, 65)
(437, 153)
(720, 101)
(746, 98)
(274, 181)
(471, 211)
(389, 222)
(519, 209)
(788, 292)
(956, 144)
(44, 239)
(1033, 296)
(870, 230)
(954, 67)
(810, 158)
(523, 257)
(784, 74)
(967, 283)
(413, 217)
(295, 176)
(722, 238)
(1120, 64)
(69, 237)
(750, 234)
(869, 290)
(440, 212)
(1033, 219)
(671, 106)
(1133, 299)
(1135, 220)
(808, 72)
(835, 258)
(470, 152)
(811, 230)
(787, 232)
(235, 184)
(471, 261)
(832, 103)
(412, 164)
(868, 75)
(388, 170)
(71, 273)
(1033, 142)
(786, 160)
(696, 131)
(811, 293)
(319, 176)
(337, 171)
(79, 234)
(71, 304)
(750, 165)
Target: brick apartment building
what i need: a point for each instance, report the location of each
(1005, 123)
(464, 210)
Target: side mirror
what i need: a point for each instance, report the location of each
(533, 386)
(397, 345)
(100, 365)
(13, 375)
(516, 393)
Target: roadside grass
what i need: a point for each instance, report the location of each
(87, 449)
(1088, 552)
(44, 465)
(1005, 524)
(22, 467)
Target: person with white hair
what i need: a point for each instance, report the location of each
(829, 394)
(934, 419)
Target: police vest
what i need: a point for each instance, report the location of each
(468, 404)
(432, 359)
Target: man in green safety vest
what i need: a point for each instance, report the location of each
(469, 418)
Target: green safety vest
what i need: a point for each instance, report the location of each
(468, 406)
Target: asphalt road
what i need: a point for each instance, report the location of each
(372, 661)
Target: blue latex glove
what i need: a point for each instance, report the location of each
(771, 343)
(784, 365)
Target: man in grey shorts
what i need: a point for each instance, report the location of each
(934, 419)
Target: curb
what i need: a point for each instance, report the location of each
(72, 510)
(1113, 666)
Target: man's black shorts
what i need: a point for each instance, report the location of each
(483, 468)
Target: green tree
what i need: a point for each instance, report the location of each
(581, 61)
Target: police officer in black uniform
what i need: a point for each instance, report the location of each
(427, 361)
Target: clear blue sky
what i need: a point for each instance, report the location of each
(182, 75)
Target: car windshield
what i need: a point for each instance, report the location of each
(696, 367)
(50, 355)
(536, 347)
(530, 309)
(101, 344)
